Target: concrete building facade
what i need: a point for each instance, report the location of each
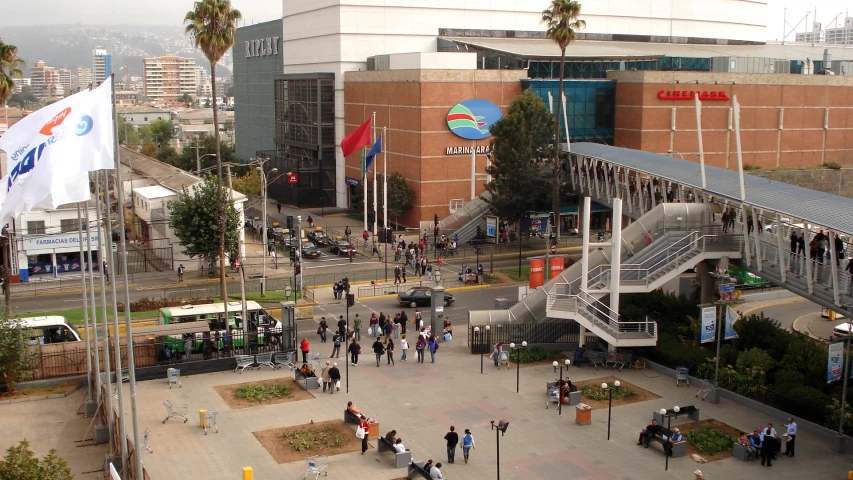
(168, 77)
(44, 81)
(102, 65)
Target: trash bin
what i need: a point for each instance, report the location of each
(583, 414)
(374, 430)
(202, 418)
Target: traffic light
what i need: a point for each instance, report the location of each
(297, 268)
(383, 236)
(479, 232)
(436, 219)
(292, 254)
(290, 222)
(389, 236)
(350, 300)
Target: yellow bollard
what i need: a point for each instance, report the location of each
(247, 473)
(850, 475)
(202, 417)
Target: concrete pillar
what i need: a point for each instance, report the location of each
(616, 255)
(706, 282)
(585, 253)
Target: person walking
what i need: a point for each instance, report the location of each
(336, 346)
(389, 329)
(452, 440)
(380, 325)
(180, 273)
(433, 346)
(356, 325)
(790, 437)
(397, 320)
(365, 236)
(389, 351)
(374, 322)
(342, 326)
(351, 254)
(347, 233)
(379, 350)
(334, 378)
(324, 375)
(404, 346)
(354, 350)
(305, 347)
(403, 272)
(365, 426)
(419, 348)
(106, 270)
(322, 329)
(467, 444)
(404, 320)
(310, 221)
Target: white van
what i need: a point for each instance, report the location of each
(841, 331)
(50, 329)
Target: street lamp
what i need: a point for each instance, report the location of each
(668, 416)
(609, 388)
(479, 346)
(500, 427)
(265, 234)
(518, 364)
(299, 256)
(198, 162)
(567, 362)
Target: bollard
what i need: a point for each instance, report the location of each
(248, 474)
(202, 417)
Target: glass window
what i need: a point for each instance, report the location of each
(69, 225)
(35, 228)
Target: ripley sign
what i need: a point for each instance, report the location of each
(262, 47)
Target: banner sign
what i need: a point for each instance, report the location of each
(731, 317)
(709, 324)
(52, 242)
(491, 226)
(835, 362)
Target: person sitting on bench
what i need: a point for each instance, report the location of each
(746, 441)
(428, 465)
(650, 431)
(355, 411)
(391, 437)
(398, 445)
(579, 355)
(667, 444)
(306, 371)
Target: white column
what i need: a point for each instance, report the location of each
(783, 271)
(699, 138)
(809, 279)
(473, 173)
(616, 254)
(836, 294)
(587, 205)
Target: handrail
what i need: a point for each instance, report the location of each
(602, 316)
(670, 256)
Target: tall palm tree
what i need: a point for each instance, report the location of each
(10, 66)
(212, 25)
(562, 22)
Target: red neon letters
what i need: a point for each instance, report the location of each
(689, 94)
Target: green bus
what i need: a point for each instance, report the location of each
(260, 325)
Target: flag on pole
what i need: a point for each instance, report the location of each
(731, 317)
(51, 151)
(709, 324)
(359, 138)
(376, 149)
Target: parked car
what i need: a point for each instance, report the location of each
(340, 246)
(319, 237)
(421, 297)
(309, 250)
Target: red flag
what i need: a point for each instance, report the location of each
(360, 137)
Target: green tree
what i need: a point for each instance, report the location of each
(399, 196)
(159, 132)
(186, 99)
(561, 19)
(755, 357)
(167, 154)
(127, 133)
(21, 464)
(14, 358)
(249, 183)
(520, 144)
(24, 99)
(212, 25)
(149, 150)
(193, 218)
(10, 67)
(207, 146)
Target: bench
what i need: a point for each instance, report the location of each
(350, 417)
(679, 449)
(310, 383)
(265, 360)
(416, 470)
(691, 412)
(244, 362)
(741, 453)
(400, 459)
(553, 393)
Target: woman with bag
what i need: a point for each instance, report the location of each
(336, 348)
(324, 376)
(419, 348)
(389, 350)
(404, 346)
(467, 444)
(321, 330)
(374, 321)
(362, 432)
(433, 347)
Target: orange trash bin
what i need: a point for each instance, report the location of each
(537, 273)
(583, 414)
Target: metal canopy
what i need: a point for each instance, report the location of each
(818, 208)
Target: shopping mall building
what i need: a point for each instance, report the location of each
(437, 74)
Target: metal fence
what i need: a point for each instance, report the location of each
(566, 333)
(148, 260)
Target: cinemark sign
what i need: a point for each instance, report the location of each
(690, 94)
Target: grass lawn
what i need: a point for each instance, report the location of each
(270, 296)
(74, 316)
(513, 273)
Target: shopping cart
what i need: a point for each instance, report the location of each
(704, 390)
(316, 465)
(681, 375)
(174, 376)
(145, 436)
(210, 422)
(179, 412)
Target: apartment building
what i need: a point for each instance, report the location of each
(842, 35)
(45, 80)
(102, 65)
(168, 77)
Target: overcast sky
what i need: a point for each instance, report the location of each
(162, 12)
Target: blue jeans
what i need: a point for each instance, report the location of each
(432, 356)
(358, 334)
(404, 354)
(397, 331)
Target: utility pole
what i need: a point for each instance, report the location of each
(242, 261)
(198, 159)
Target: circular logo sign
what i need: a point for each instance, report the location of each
(554, 248)
(472, 119)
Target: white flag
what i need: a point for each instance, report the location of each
(51, 151)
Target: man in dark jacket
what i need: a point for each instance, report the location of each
(354, 348)
(649, 432)
(335, 377)
(379, 350)
(452, 440)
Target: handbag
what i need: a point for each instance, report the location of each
(359, 351)
(319, 330)
(360, 433)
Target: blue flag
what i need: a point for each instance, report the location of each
(377, 148)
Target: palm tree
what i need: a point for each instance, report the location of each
(10, 66)
(212, 25)
(562, 22)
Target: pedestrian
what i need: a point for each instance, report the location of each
(347, 232)
(364, 425)
(374, 324)
(356, 326)
(334, 378)
(324, 376)
(379, 350)
(342, 326)
(429, 271)
(310, 221)
(389, 329)
(180, 273)
(768, 445)
(452, 440)
(334, 286)
(403, 272)
(404, 346)
(417, 322)
(467, 444)
(278, 206)
(106, 270)
(375, 251)
(336, 346)
(790, 437)
(498, 352)
(435, 472)
(322, 329)
(389, 351)
(419, 348)
(351, 254)
(365, 236)
(397, 275)
(433, 347)
(354, 350)
(305, 347)
(404, 320)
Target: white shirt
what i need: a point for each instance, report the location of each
(792, 428)
(404, 344)
(400, 447)
(434, 472)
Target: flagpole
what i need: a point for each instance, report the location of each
(85, 311)
(91, 294)
(107, 367)
(385, 176)
(364, 185)
(375, 220)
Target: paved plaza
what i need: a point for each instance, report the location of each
(421, 401)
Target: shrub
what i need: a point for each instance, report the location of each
(755, 357)
(148, 304)
(534, 354)
(21, 464)
(832, 165)
(807, 402)
(748, 167)
(262, 393)
(313, 438)
(807, 356)
(672, 352)
(594, 392)
(708, 441)
(785, 380)
(833, 412)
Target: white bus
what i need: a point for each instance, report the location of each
(214, 314)
(50, 329)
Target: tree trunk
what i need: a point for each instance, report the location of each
(555, 191)
(7, 270)
(220, 210)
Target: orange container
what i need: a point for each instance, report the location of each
(558, 264)
(583, 415)
(374, 430)
(537, 273)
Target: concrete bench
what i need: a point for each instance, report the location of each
(574, 396)
(416, 470)
(679, 449)
(400, 459)
(309, 383)
(691, 412)
(741, 453)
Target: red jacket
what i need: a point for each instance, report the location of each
(305, 345)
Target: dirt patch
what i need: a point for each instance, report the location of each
(715, 425)
(641, 396)
(277, 441)
(63, 389)
(227, 393)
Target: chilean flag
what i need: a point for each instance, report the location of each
(359, 138)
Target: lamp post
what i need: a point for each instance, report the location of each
(609, 389)
(500, 427)
(299, 258)
(518, 364)
(265, 234)
(479, 345)
(668, 416)
(566, 362)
